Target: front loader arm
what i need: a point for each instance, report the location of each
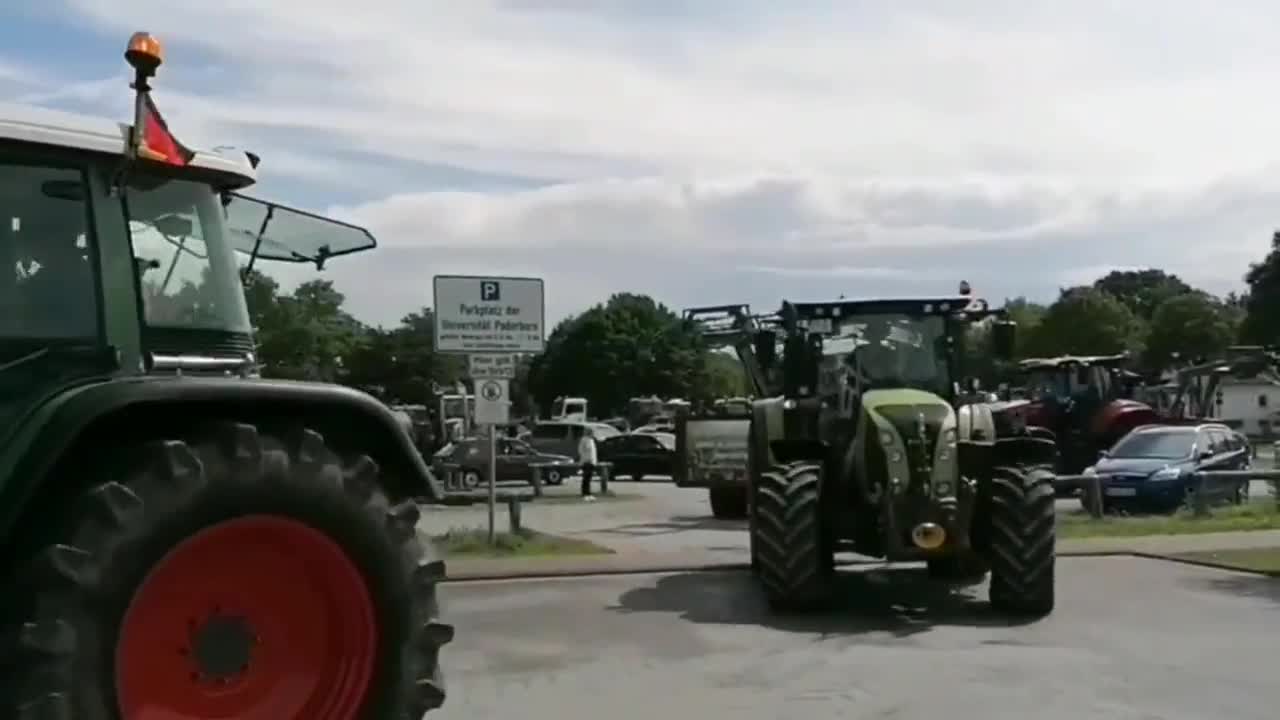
(733, 326)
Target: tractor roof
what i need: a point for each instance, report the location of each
(25, 123)
(940, 305)
(1073, 361)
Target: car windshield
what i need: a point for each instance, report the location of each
(188, 274)
(1174, 445)
(890, 350)
(667, 440)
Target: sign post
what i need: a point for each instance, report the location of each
(491, 319)
(491, 413)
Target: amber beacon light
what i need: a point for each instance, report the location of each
(144, 53)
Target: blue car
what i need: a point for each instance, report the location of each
(1151, 468)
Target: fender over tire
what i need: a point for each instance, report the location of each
(63, 637)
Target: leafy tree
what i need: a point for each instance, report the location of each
(628, 346)
(1142, 290)
(401, 364)
(1086, 321)
(1262, 323)
(1189, 325)
(1028, 315)
(725, 377)
(304, 335)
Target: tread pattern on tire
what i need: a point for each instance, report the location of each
(794, 564)
(1022, 538)
(57, 652)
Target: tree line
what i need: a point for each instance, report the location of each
(632, 345)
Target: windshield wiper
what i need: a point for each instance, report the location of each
(36, 355)
(108, 356)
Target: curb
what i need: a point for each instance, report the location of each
(667, 568)
(551, 574)
(1206, 564)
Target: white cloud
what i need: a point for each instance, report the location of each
(713, 148)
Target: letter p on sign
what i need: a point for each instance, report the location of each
(489, 290)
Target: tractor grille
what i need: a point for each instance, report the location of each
(919, 426)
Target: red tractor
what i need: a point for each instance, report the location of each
(1085, 401)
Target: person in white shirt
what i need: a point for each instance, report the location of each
(587, 458)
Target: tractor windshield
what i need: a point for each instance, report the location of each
(186, 267)
(1049, 384)
(895, 351)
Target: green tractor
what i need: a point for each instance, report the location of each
(181, 538)
(864, 449)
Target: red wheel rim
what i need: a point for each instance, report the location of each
(258, 618)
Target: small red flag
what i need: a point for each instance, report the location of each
(156, 142)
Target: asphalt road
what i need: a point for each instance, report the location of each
(1132, 639)
(656, 517)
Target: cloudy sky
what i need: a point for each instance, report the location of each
(713, 151)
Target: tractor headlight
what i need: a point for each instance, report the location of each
(1165, 474)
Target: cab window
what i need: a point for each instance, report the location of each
(49, 286)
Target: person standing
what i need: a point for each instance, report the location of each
(587, 458)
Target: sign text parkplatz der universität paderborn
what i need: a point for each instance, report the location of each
(489, 315)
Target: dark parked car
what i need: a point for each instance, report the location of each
(636, 455)
(471, 455)
(1152, 466)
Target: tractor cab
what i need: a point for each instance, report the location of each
(1085, 401)
(125, 249)
(851, 347)
(168, 489)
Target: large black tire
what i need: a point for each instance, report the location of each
(65, 627)
(794, 561)
(728, 503)
(1021, 532)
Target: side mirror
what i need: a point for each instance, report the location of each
(1004, 335)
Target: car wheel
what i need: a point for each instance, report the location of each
(470, 480)
(553, 477)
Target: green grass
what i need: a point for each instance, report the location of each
(1261, 514)
(1265, 560)
(474, 543)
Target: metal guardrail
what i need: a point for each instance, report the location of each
(454, 485)
(1210, 486)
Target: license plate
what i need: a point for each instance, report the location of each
(1121, 492)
